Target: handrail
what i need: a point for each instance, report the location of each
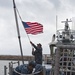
(27, 74)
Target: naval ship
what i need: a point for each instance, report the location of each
(63, 58)
(62, 53)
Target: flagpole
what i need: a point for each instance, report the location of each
(18, 30)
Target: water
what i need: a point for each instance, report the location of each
(2, 64)
(6, 63)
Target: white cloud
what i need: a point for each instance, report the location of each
(42, 11)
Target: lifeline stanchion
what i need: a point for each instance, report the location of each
(5, 70)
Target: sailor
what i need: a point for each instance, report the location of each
(24, 69)
(37, 52)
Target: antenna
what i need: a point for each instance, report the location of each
(56, 22)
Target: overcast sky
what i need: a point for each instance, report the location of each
(42, 11)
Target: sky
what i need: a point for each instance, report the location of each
(42, 11)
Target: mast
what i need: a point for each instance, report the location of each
(18, 30)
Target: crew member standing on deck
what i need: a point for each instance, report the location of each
(37, 52)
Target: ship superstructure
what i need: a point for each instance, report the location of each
(63, 61)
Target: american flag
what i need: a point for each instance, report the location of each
(33, 27)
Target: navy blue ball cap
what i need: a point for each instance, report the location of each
(39, 44)
(32, 63)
